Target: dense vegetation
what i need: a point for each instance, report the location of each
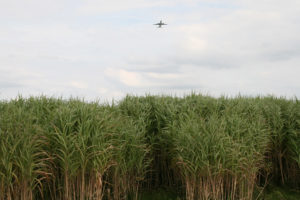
(197, 146)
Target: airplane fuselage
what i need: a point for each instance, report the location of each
(160, 24)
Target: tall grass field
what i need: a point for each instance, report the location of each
(195, 147)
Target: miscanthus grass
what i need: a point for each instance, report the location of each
(219, 154)
(55, 149)
(198, 146)
(283, 121)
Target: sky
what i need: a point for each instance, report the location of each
(104, 50)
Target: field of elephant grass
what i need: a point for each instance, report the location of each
(153, 147)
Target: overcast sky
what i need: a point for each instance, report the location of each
(105, 49)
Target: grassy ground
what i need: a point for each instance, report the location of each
(280, 193)
(159, 195)
(271, 193)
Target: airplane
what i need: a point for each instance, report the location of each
(160, 24)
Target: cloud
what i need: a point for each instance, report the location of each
(159, 76)
(31, 9)
(96, 6)
(20, 76)
(226, 55)
(9, 84)
(110, 48)
(243, 35)
(79, 84)
(128, 78)
(137, 79)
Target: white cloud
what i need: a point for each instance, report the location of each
(31, 9)
(216, 46)
(243, 35)
(164, 76)
(102, 6)
(128, 78)
(79, 84)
